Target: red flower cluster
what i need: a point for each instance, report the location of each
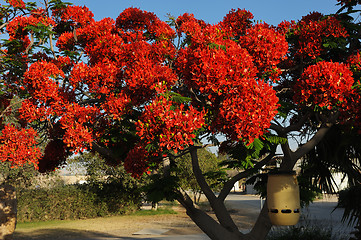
(236, 22)
(54, 155)
(267, 47)
(116, 105)
(17, 3)
(100, 78)
(77, 121)
(76, 16)
(16, 28)
(326, 84)
(136, 161)
(18, 146)
(42, 82)
(225, 72)
(143, 70)
(311, 31)
(245, 113)
(354, 62)
(171, 127)
(137, 25)
(130, 66)
(216, 67)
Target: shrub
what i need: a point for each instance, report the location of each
(75, 202)
(310, 232)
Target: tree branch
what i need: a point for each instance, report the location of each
(199, 175)
(281, 131)
(51, 46)
(262, 226)
(30, 44)
(103, 151)
(229, 184)
(4, 25)
(218, 206)
(288, 157)
(8, 108)
(304, 149)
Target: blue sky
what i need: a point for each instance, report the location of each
(270, 11)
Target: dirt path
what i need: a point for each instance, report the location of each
(124, 226)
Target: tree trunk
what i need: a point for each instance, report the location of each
(216, 231)
(207, 224)
(225, 228)
(8, 211)
(262, 226)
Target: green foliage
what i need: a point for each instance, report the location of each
(301, 233)
(57, 203)
(158, 211)
(74, 202)
(20, 177)
(110, 182)
(209, 164)
(99, 173)
(243, 156)
(339, 151)
(350, 200)
(160, 188)
(308, 192)
(58, 4)
(109, 191)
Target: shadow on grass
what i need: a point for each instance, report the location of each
(73, 234)
(66, 234)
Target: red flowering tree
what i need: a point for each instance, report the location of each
(141, 92)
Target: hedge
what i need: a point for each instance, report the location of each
(76, 202)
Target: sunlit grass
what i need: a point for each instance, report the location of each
(60, 223)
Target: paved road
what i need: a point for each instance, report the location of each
(320, 213)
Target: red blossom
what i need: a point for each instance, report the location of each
(130, 70)
(133, 21)
(54, 156)
(245, 113)
(77, 122)
(236, 22)
(224, 71)
(19, 146)
(116, 105)
(76, 16)
(189, 25)
(354, 62)
(325, 84)
(100, 78)
(17, 3)
(349, 2)
(267, 47)
(143, 70)
(172, 129)
(41, 81)
(136, 161)
(17, 27)
(216, 68)
(312, 30)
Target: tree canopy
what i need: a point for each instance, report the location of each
(137, 90)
